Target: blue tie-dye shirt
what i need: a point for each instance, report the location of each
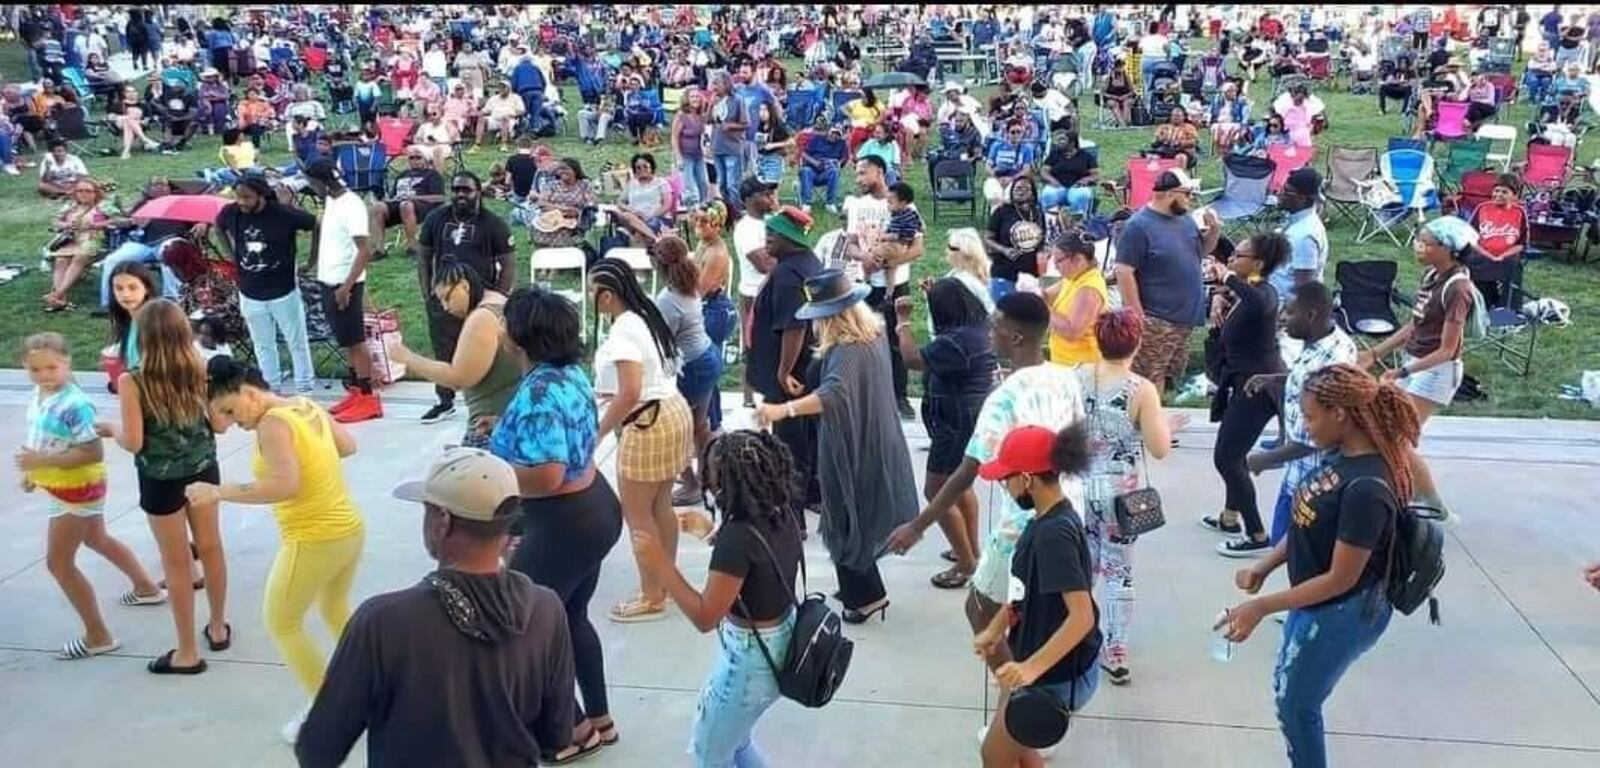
(551, 419)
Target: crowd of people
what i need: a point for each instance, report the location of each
(1048, 350)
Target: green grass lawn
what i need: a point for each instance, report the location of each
(1562, 354)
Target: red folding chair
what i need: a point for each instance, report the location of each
(316, 58)
(1505, 87)
(1450, 121)
(1287, 158)
(394, 133)
(1142, 175)
(1547, 165)
(1477, 188)
(1317, 66)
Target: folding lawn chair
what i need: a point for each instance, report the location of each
(1449, 121)
(1287, 158)
(954, 181)
(363, 166)
(1499, 153)
(1405, 186)
(1547, 165)
(1476, 188)
(1365, 299)
(395, 133)
(1406, 142)
(1464, 156)
(1242, 202)
(1347, 168)
(1513, 335)
(1141, 180)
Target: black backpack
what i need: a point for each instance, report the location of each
(1416, 563)
(819, 653)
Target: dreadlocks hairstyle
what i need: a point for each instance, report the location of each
(452, 272)
(751, 474)
(1381, 411)
(616, 276)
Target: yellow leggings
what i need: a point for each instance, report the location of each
(304, 572)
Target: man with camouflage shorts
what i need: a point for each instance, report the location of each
(1159, 276)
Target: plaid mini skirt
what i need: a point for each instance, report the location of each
(659, 443)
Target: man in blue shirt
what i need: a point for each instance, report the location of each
(824, 153)
(1308, 237)
(529, 83)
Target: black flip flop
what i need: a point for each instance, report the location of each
(948, 555)
(162, 665)
(213, 644)
(589, 747)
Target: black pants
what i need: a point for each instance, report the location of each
(1396, 91)
(565, 538)
(859, 588)
(882, 300)
(1242, 422)
(799, 435)
(443, 331)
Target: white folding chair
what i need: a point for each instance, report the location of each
(565, 259)
(1502, 144)
(639, 260)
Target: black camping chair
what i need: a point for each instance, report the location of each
(1513, 335)
(1365, 300)
(954, 181)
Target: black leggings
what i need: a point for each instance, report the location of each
(882, 300)
(1242, 422)
(564, 541)
(1396, 91)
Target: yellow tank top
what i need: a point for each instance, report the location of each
(322, 510)
(1084, 349)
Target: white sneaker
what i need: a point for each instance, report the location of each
(291, 729)
(11, 170)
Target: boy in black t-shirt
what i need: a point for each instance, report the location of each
(1053, 621)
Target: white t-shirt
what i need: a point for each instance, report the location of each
(749, 236)
(343, 220)
(1153, 46)
(435, 64)
(70, 168)
(866, 217)
(630, 340)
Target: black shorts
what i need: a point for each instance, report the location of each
(345, 323)
(950, 422)
(164, 497)
(391, 214)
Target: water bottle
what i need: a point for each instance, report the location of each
(1221, 646)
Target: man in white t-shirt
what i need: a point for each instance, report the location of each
(866, 217)
(750, 241)
(340, 253)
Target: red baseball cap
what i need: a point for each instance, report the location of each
(1025, 451)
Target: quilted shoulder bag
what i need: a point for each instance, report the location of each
(1138, 511)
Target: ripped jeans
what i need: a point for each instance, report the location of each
(740, 689)
(1112, 557)
(1319, 645)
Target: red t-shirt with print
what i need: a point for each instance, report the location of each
(1499, 228)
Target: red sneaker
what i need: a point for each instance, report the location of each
(350, 394)
(365, 408)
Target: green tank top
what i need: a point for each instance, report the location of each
(489, 396)
(174, 451)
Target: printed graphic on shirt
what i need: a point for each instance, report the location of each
(1305, 514)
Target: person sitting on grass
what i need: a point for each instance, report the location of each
(59, 171)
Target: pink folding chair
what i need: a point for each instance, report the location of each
(1547, 165)
(1142, 175)
(1287, 158)
(1450, 121)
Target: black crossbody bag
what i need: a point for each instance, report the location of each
(1138, 511)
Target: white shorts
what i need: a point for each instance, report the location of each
(500, 123)
(1437, 384)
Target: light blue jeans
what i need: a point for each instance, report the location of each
(696, 184)
(1319, 645)
(1076, 198)
(266, 319)
(741, 687)
(730, 171)
(135, 251)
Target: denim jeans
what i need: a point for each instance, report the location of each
(696, 184)
(265, 319)
(811, 177)
(1319, 644)
(1077, 198)
(135, 251)
(8, 151)
(1280, 513)
(730, 171)
(718, 313)
(740, 689)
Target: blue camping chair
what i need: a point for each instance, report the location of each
(363, 166)
(1406, 186)
(1403, 142)
(836, 104)
(802, 109)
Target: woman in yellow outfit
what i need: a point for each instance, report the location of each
(1076, 301)
(296, 467)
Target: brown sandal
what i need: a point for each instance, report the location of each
(951, 578)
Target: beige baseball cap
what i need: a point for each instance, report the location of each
(467, 482)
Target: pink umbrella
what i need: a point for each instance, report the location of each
(194, 209)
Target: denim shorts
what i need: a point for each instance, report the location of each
(739, 690)
(699, 376)
(1074, 694)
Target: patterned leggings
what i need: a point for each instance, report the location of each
(1113, 570)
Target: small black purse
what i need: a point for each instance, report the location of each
(1138, 511)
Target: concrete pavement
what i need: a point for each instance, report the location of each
(1511, 677)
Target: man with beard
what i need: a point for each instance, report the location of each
(1158, 274)
(467, 232)
(473, 666)
(259, 233)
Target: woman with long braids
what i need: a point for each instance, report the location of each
(635, 369)
(1338, 548)
(570, 516)
(166, 426)
(484, 368)
(297, 471)
(749, 594)
(1434, 340)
